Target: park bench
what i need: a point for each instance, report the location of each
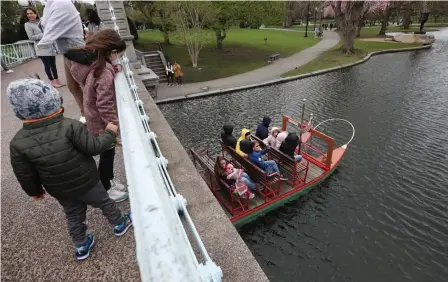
(273, 57)
(270, 182)
(231, 200)
(296, 172)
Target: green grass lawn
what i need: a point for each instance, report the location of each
(373, 31)
(244, 50)
(334, 57)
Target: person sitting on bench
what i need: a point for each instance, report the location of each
(229, 174)
(255, 156)
(271, 140)
(263, 128)
(288, 147)
(245, 135)
(280, 138)
(227, 136)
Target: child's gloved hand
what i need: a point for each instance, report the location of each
(118, 68)
(112, 127)
(40, 196)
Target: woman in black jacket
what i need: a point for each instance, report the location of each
(288, 147)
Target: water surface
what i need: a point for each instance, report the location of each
(383, 215)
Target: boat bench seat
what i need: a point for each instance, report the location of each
(296, 172)
(270, 182)
(237, 204)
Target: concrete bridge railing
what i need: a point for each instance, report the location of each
(17, 53)
(164, 251)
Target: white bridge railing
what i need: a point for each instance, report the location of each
(16, 53)
(164, 252)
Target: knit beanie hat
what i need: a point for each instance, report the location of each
(32, 98)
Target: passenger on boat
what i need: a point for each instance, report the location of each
(245, 135)
(263, 128)
(271, 140)
(255, 156)
(229, 174)
(288, 147)
(227, 136)
(280, 138)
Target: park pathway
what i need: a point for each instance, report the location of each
(35, 242)
(260, 75)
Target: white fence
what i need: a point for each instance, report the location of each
(16, 53)
(159, 213)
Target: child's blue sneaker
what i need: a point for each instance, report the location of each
(83, 252)
(122, 228)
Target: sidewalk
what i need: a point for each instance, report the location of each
(35, 242)
(272, 71)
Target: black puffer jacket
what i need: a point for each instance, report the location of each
(290, 144)
(227, 137)
(56, 153)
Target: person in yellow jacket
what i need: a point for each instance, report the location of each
(245, 135)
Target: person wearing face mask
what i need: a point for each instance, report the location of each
(34, 31)
(92, 67)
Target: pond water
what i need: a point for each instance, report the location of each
(383, 216)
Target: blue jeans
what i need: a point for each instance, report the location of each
(271, 167)
(246, 179)
(298, 158)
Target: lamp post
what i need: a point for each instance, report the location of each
(307, 18)
(315, 14)
(321, 14)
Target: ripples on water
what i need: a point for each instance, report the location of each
(383, 215)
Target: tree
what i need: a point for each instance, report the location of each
(11, 12)
(189, 18)
(438, 9)
(164, 20)
(224, 14)
(348, 17)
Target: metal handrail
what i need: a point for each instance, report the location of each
(164, 252)
(16, 53)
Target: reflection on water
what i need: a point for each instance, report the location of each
(383, 215)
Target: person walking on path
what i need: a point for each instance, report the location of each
(55, 154)
(62, 24)
(47, 55)
(178, 73)
(92, 68)
(95, 24)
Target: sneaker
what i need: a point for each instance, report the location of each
(283, 178)
(9, 71)
(116, 185)
(82, 119)
(251, 195)
(122, 228)
(117, 196)
(83, 252)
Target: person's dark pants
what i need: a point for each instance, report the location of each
(50, 67)
(179, 80)
(171, 76)
(106, 167)
(75, 210)
(5, 68)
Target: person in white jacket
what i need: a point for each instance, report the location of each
(62, 25)
(170, 73)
